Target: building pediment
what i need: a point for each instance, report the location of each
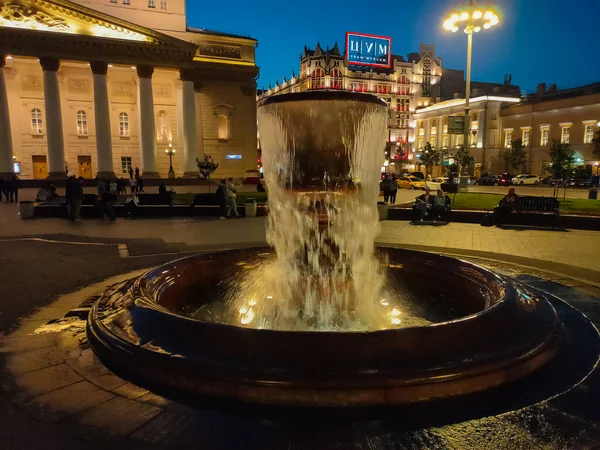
(57, 22)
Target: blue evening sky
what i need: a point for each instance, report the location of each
(552, 41)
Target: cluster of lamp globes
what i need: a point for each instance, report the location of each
(473, 21)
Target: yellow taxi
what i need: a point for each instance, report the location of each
(410, 183)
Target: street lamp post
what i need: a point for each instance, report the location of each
(472, 18)
(170, 151)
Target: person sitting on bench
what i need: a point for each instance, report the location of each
(441, 205)
(424, 204)
(508, 204)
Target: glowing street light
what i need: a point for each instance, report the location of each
(472, 18)
(170, 151)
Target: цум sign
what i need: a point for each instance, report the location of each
(368, 50)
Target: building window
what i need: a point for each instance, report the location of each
(336, 79)
(460, 139)
(565, 135)
(508, 139)
(359, 86)
(82, 124)
(545, 130)
(445, 142)
(151, 4)
(113, 1)
(163, 4)
(318, 79)
(126, 2)
(589, 133)
(421, 142)
(526, 137)
(223, 128)
(123, 124)
(36, 121)
(126, 164)
(381, 88)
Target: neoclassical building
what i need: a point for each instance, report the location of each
(99, 86)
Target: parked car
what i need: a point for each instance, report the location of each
(550, 180)
(526, 179)
(440, 180)
(419, 175)
(410, 183)
(251, 177)
(580, 182)
(490, 180)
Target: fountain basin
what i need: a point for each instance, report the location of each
(137, 328)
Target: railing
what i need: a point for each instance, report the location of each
(562, 185)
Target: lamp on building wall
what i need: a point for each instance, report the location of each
(472, 18)
(170, 151)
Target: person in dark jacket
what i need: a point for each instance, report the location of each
(222, 198)
(424, 204)
(386, 187)
(3, 190)
(74, 194)
(509, 203)
(13, 189)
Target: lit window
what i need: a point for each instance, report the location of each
(545, 131)
(526, 137)
(565, 135)
(163, 126)
(36, 121)
(126, 2)
(421, 142)
(445, 142)
(113, 1)
(223, 128)
(163, 4)
(318, 79)
(589, 133)
(82, 124)
(123, 124)
(445, 125)
(151, 4)
(336, 79)
(126, 164)
(358, 86)
(508, 139)
(460, 139)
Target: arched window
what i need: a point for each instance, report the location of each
(223, 128)
(163, 127)
(123, 124)
(36, 121)
(318, 79)
(82, 124)
(336, 79)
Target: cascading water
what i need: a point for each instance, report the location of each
(321, 164)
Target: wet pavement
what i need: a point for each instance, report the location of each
(56, 394)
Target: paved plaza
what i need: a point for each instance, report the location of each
(56, 394)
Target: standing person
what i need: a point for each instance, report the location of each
(221, 195)
(231, 196)
(3, 189)
(386, 187)
(130, 171)
(137, 172)
(133, 185)
(14, 189)
(74, 194)
(140, 185)
(101, 198)
(393, 191)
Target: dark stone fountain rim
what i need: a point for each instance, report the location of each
(505, 342)
(322, 95)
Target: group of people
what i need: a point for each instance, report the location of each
(432, 206)
(10, 189)
(390, 188)
(226, 195)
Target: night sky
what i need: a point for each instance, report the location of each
(552, 41)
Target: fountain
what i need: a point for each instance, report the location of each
(323, 317)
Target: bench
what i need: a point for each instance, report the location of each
(536, 210)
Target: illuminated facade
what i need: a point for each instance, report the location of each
(99, 86)
(409, 83)
(570, 116)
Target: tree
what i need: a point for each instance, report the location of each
(400, 156)
(516, 156)
(430, 157)
(463, 159)
(561, 160)
(596, 146)
(206, 166)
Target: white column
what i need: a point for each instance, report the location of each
(190, 149)
(54, 129)
(102, 120)
(6, 151)
(147, 125)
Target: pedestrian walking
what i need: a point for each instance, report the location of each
(74, 194)
(14, 189)
(393, 191)
(231, 198)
